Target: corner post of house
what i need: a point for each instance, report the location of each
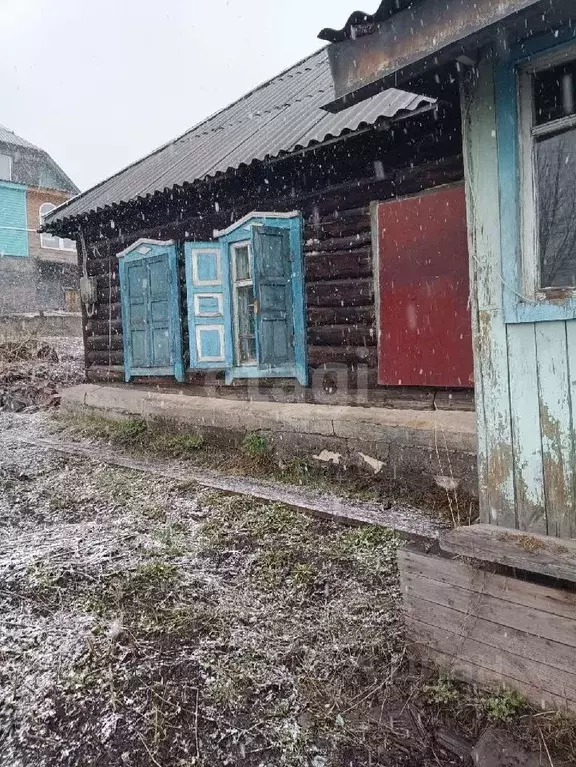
(480, 146)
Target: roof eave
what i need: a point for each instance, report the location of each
(414, 42)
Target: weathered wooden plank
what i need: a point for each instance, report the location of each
(470, 671)
(527, 447)
(505, 613)
(556, 428)
(510, 640)
(557, 601)
(521, 668)
(530, 552)
(495, 458)
(409, 524)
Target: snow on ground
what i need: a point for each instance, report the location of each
(145, 622)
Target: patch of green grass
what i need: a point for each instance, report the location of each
(442, 692)
(504, 706)
(255, 445)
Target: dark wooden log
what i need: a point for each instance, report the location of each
(97, 267)
(105, 373)
(104, 357)
(109, 294)
(341, 315)
(101, 327)
(347, 355)
(340, 227)
(355, 263)
(341, 293)
(455, 399)
(101, 343)
(342, 335)
(104, 310)
(339, 243)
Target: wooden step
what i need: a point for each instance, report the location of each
(554, 557)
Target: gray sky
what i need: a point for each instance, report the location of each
(99, 84)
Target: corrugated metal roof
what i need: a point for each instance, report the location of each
(8, 136)
(279, 117)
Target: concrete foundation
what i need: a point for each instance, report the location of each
(49, 325)
(437, 448)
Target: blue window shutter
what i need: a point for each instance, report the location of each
(273, 282)
(151, 321)
(13, 220)
(208, 297)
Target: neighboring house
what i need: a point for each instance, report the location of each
(38, 272)
(278, 243)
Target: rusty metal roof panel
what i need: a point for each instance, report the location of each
(280, 116)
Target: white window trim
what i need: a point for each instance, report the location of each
(10, 166)
(197, 282)
(529, 228)
(235, 285)
(43, 235)
(202, 329)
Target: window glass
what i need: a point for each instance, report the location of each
(554, 167)
(48, 240)
(556, 179)
(242, 255)
(5, 167)
(246, 325)
(555, 93)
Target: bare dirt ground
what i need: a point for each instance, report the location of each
(147, 622)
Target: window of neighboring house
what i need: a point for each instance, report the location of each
(548, 172)
(49, 241)
(5, 167)
(244, 304)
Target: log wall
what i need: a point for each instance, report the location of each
(333, 187)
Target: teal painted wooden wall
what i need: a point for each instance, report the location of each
(525, 372)
(13, 223)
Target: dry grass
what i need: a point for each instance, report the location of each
(147, 623)
(254, 458)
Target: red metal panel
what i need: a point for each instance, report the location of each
(425, 332)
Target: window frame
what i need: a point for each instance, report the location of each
(235, 284)
(522, 298)
(43, 235)
(10, 166)
(529, 200)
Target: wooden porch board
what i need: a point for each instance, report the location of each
(522, 669)
(558, 602)
(492, 630)
(468, 671)
(533, 553)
